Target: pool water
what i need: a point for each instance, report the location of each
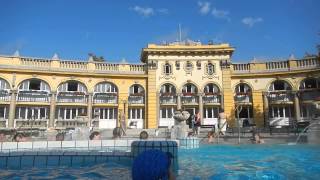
(207, 162)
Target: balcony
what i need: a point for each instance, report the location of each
(280, 97)
(136, 98)
(309, 94)
(211, 99)
(4, 95)
(33, 96)
(31, 124)
(171, 99)
(3, 123)
(80, 121)
(244, 98)
(189, 99)
(105, 98)
(71, 97)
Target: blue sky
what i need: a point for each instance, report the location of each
(265, 29)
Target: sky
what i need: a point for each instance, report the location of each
(118, 30)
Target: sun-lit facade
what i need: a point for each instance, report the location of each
(54, 93)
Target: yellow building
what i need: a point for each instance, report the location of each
(54, 93)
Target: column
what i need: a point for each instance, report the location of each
(266, 108)
(201, 108)
(12, 109)
(89, 109)
(297, 106)
(221, 101)
(52, 109)
(158, 109)
(178, 101)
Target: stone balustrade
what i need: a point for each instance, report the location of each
(289, 65)
(70, 65)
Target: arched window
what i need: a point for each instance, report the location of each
(189, 66)
(211, 88)
(167, 88)
(72, 86)
(309, 83)
(189, 88)
(243, 88)
(136, 89)
(105, 87)
(280, 85)
(167, 69)
(210, 69)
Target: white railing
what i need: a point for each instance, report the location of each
(34, 123)
(136, 99)
(137, 68)
(5, 97)
(73, 65)
(208, 99)
(33, 97)
(105, 99)
(284, 97)
(242, 98)
(168, 99)
(106, 67)
(241, 67)
(71, 99)
(189, 99)
(277, 65)
(310, 62)
(35, 62)
(3, 123)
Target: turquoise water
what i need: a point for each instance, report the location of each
(207, 162)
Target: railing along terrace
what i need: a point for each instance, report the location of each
(309, 94)
(35, 62)
(189, 99)
(277, 65)
(72, 97)
(280, 96)
(137, 67)
(243, 98)
(4, 95)
(71, 123)
(73, 65)
(241, 67)
(289, 65)
(108, 98)
(308, 62)
(211, 98)
(106, 67)
(172, 99)
(136, 99)
(3, 123)
(33, 96)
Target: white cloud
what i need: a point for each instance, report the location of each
(250, 21)
(204, 7)
(220, 14)
(144, 11)
(163, 11)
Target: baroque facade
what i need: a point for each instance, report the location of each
(54, 93)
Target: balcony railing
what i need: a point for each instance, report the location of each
(276, 66)
(135, 99)
(168, 99)
(100, 98)
(72, 97)
(24, 123)
(280, 97)
(73, 65)
(4, 95)
(33, 96)
(189, 99)
(71, 123)
(3, 123)
(309, 95)
(106, 67)
(243, 98)
(209, 99)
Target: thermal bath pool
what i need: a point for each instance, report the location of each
(207, 162)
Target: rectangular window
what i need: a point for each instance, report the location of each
(2, 112)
